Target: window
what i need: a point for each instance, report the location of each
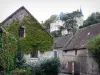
(75, 52)
(21, 32)
(55, 53)
(34, 54)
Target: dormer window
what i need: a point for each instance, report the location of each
(21, 31)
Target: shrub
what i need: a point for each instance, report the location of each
(22, 71)
(93, 46)
(47, 67)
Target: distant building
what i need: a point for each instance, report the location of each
(57, 23)
(79, 18)
(54, 26)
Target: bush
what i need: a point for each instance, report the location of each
(47, 67)
(22, 71)
(93, 46)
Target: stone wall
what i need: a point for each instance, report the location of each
(19, 16)
(88, 66)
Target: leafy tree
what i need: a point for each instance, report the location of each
(70, 21)
(93, 46)
(46, 24)
(92, 19)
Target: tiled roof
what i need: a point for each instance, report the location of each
(79, 40)
(61, 41)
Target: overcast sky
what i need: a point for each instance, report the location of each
(43, 9)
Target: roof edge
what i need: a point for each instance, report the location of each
(75, 49)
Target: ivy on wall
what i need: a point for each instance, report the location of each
(35, 35)
(8, 50)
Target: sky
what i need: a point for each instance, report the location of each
(43, 9)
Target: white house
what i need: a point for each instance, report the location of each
(79, 19)
(57, 23)
(54, 26)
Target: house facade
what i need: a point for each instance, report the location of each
(32, 38)
(57, 51)
(59, 43)
(56, 24)
(77, 58)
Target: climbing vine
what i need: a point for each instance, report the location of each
(8, 51)
(34, 35)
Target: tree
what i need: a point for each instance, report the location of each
(93, 46)
(70, 21)
(92, 19)
(46, 24)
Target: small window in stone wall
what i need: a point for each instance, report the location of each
(34, 54)
(55, 53)
(75, 52)
(21, 31)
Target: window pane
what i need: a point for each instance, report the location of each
(21, 32)
(34, 54)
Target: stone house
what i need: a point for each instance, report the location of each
(25, 31)
(59, 42)
(76, 57)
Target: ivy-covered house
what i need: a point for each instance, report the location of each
(32, 39)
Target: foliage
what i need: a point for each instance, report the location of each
(8, 48)
(22, 71)
(46, 24)
(34, 35)
(93, 46)
(19, 59)
(71, 15)
(47, 67)
(70, 21)
(92, 19)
